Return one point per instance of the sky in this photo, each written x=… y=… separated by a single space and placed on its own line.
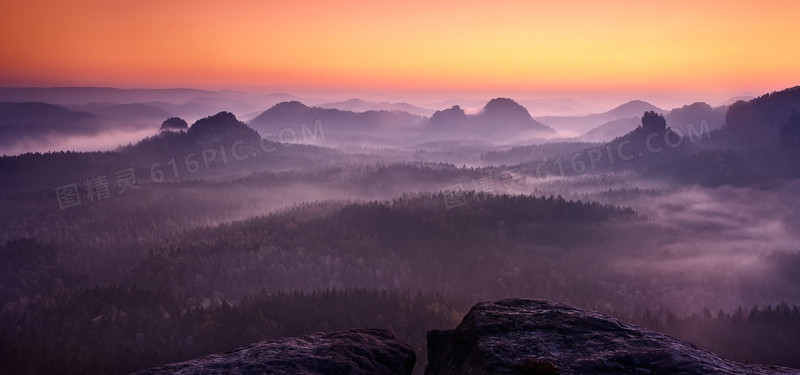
x=487 y=47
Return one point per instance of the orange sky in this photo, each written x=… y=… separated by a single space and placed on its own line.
x=515 y=46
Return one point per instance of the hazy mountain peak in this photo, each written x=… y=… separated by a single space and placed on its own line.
x=453 y=116
x=634 y=107
x=24 y=113
x=221 y=117
x=36 y=121
x=283 y=113
x=292 y=105
x=355 y=101
x=506 y=105
x=359 y=105
x=512 y=114
x=698 y=105
x=221 y=126
x=454 y=109
x=736 y=99
x=174 y=123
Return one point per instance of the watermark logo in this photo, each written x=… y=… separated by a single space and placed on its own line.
x=95 y=189
x=654 y=143
x=504 y=182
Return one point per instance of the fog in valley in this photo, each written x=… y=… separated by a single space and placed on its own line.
x=143 y=227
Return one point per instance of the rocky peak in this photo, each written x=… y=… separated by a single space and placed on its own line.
x=451 y=117
x=633 y=108
x=220 y=127
x=506 y=108
x=520 y=336
x=510 y=115
x=653 y=122
x=174 y=124
x=287 y=108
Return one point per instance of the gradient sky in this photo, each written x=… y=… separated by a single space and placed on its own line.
x=456 y=46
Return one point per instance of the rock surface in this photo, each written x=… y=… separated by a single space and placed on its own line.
x=518 y=336
x=360 y=351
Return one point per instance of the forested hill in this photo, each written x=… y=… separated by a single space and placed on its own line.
x=409 y=243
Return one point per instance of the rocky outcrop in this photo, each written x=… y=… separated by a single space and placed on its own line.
x=653 y=123
x=511 y=336
x=360 y=351
x=518 y=336
x=500 y=119
x=222 y=127
x=449 y=119
x=174 y=124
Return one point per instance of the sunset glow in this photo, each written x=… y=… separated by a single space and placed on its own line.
x=406 y=46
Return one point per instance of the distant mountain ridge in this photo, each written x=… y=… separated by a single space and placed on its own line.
x=293 y=113
x=501 y=118
x=582 y=124
x=30 y=113
x=610 y=130
x=378 y=124
x=632 y=106
x=184 y=102
x=758 y=147
x=358 y=105
x=126 y=116
x=689 y=118
x=38 y=121
x=339 y=126
x=759 y=121
x=72 y=95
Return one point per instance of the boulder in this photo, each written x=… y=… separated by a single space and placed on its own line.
x=358 y=351
x=521 y=336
